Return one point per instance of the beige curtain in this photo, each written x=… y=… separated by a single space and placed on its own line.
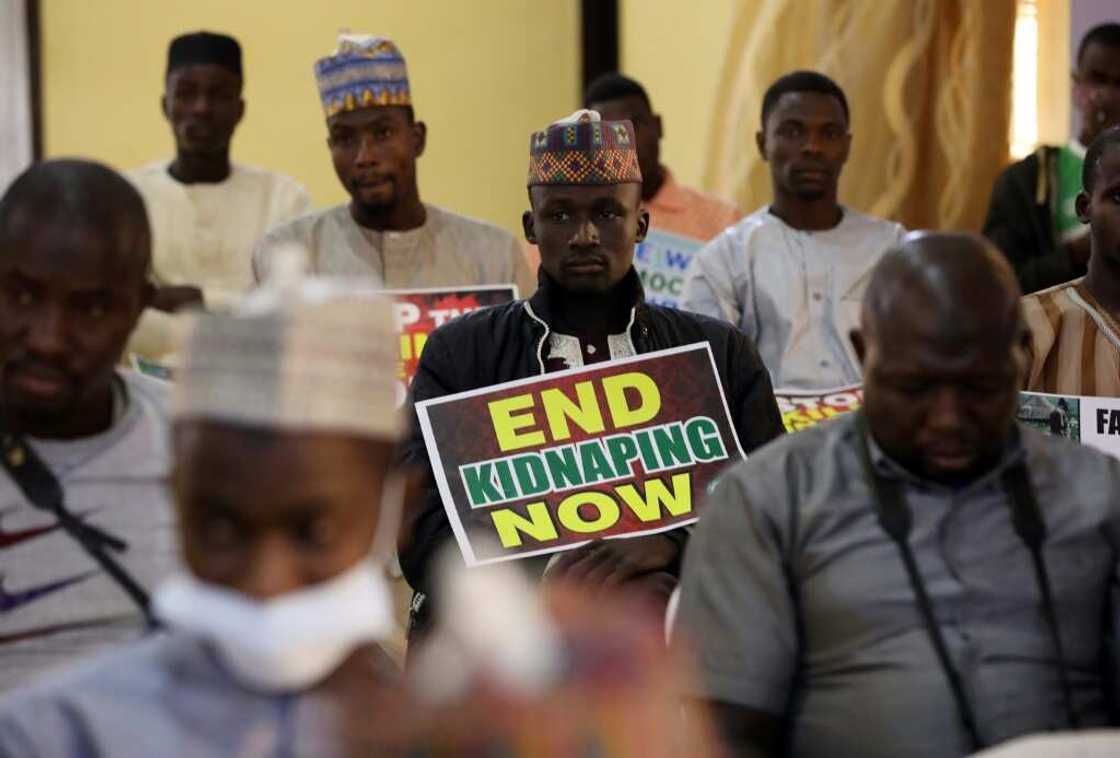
x=928 y=82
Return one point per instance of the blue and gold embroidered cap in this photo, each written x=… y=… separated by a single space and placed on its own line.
x=364 y=72
x=584 y=149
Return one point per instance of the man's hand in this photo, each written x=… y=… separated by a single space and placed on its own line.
x=172 y=299
x=1079 y=250
x=608 y=563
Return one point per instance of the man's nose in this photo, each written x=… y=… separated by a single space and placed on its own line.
x=367 y=151
x=272 y=570
x=946 y=412
x=587 y=235
x=47 y=333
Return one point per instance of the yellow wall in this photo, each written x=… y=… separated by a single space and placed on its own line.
x=484 y=74
x=676 y=51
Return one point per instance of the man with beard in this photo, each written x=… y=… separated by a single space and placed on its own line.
x=585 y=217
x=85 y=525
x=924 y=577
x=1032 y=216
x=791 y=275
x=385 y=232
x=207 y=213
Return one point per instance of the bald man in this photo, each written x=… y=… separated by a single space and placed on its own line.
x=84 y=517
x=814 y=635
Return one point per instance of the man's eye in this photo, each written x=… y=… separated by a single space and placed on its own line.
x=609 y=214
x=96 y=310
x=315 y=533
x=342 y=140
x=220 y=531
x=383 y=134
x=558 y=215
x=24 y=298
x=790 y=130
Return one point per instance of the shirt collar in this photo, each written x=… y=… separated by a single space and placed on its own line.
x=546 y=299
x=884 y=465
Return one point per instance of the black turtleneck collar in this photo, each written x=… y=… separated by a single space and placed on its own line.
x=549 y=301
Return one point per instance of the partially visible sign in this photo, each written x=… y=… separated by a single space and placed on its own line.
x=662 y=262
x=616 y=449
x=804 y=408
x=1092 y=421
x=421 y=311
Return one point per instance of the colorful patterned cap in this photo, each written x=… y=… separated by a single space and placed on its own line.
x=584 y=149
x=320 y=355
x=364 y=72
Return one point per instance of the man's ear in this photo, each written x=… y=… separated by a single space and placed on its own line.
x=1082 y=206
x=149 y=295
x=420 y=137
x=760 y=141
x=856 y=336
x=163 y=106
x=643 y=224
x=658 y=125
x=240 y=111
x=847 y=147
x=529 y=227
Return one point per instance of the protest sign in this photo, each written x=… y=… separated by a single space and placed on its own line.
x=804 y=408
x=661 y=261
x=1093 y=421
x=421 y=311
x=614 y=449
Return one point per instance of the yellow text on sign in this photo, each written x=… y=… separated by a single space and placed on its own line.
x=534 y=419
x=593 y=512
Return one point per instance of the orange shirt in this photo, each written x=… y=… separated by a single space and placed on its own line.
x=679 y=210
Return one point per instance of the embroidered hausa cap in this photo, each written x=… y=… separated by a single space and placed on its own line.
x=363 y=72
x=584 y=149
x=306 y=354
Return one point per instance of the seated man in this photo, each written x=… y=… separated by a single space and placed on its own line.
x=85 y=525
x=1031 y=215
x=385 y=232
x=921 y=578
x=1075 y=327
x=284 y=428
x=207 y=214
x=586 y=215
x=791 y=274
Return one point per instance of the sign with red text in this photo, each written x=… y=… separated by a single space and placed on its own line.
x=545 y=464
x=419 y=312
x=804 y=408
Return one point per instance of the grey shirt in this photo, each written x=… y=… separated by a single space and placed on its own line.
x=55 y=602
x=448 y=250
x=795 y=525
x=167 y=696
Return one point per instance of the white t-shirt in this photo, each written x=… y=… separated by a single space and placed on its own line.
x=796 y=294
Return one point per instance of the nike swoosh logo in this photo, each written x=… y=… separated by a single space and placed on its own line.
x=9 y=601
x=8 y=539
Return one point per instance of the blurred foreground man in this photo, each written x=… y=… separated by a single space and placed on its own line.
x=791 y=274
x=283 y=436
x=385 y=232
x=85 y=522
x=1032 y=216
x=1075 y=327
x=207 y=213
x=924 y=577
x=586 y=215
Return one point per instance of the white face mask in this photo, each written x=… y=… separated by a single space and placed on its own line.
x=295 y=640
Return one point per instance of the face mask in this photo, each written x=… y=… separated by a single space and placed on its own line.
x=295 y=640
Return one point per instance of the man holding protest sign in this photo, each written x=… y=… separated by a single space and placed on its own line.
x=923 y=577
x=1075 y=327
x=586 y=215
x=386 y=232
x=791 y=274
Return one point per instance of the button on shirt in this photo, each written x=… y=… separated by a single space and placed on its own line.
x=797 y=294
x=862 y=678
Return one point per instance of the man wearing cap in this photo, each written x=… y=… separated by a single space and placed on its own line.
x=585 y=217
x=85 y=523
x=385 y=232
x=284 y=426
x=207 y=213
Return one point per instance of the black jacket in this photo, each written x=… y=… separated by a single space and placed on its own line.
x=1021 y=222
x=507 y=342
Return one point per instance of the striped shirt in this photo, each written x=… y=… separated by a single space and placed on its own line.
x=1075 y=343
